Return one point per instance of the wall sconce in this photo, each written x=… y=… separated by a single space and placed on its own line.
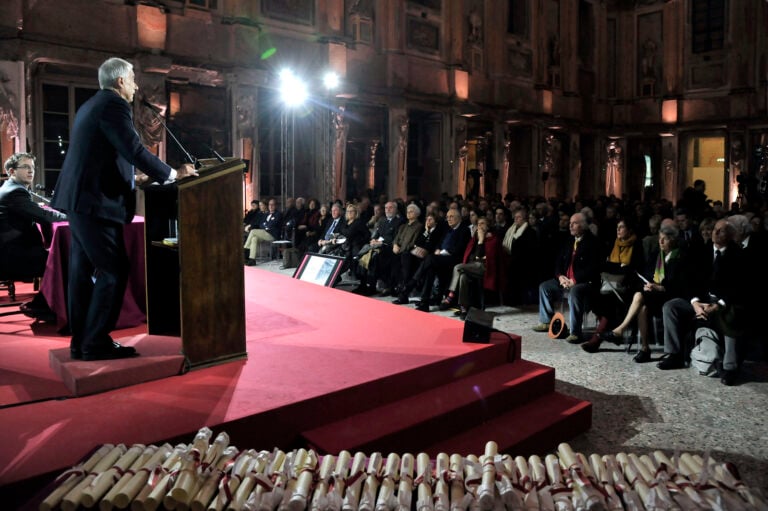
x=461 y=84
x=669 y=111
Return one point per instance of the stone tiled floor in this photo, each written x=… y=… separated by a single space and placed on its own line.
x=639 y=408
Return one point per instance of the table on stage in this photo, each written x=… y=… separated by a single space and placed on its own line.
x=54 y=284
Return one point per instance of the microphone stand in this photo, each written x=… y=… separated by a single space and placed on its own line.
x=194 y=161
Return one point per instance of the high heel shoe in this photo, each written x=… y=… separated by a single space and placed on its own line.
x=609 y=336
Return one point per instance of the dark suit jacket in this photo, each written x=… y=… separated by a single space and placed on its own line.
x=19 y=216
x=455 y=241
x=586 y=262
x=98 y=173
x=387 y=229
x=273 y=224
x=724 y=282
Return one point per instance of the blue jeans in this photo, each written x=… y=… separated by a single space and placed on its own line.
x=550 y=292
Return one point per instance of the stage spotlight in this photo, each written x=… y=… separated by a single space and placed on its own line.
x=330 y=80
x=293 y=91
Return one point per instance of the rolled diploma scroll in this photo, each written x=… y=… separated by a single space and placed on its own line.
x=103 y=482
x=593 y=499
x=73 y=499
x=473 y=476
x=280 y=463
x=212 y=476
x=371 y=484
x=405 y=488
x=701 y=478
x=613 y=501
x=531 y=499
x=632 y=501
x=353 y=483
x=424 y=499
x=459 y=500
x=636 y=481
x=256 y=475
x=160 y=481
x=233 y=476
x=662 y=477
x=548 y=478
x=729 y=493
x=662 y=494
x=108 y=501
x=386 y=499
x=338 y=481
x=320 y=495
x=305 y=477
x=71 y=477
x=187 y=482
x=442 y=493
x=678 y=479
x=214 y=451
x=727 y=474
x=514 y=498
x=486 y=492
x=292 y=477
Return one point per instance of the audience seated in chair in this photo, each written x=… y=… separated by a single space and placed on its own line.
x=375 y=262
x=317 y=223
x=348 y=239
x=439 y=264
x=332 y=230
x=481 y=263
x=404 y=241
x=412 y=263
x=718 y=302
x=268 y=231
x=520 y=245
x=22 y=248
x=577 y=274
x=619 y=279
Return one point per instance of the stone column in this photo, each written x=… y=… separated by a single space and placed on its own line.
x=370 y=180
x=614 y=168
x=397 y=172
x=337 y=182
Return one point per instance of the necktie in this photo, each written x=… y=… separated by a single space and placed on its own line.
x=329 y=232
x=716 y=262
x=569 y=273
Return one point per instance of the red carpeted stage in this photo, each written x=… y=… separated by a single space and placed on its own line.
x=326 y=369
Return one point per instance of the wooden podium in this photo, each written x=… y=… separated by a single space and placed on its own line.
x=196 y=287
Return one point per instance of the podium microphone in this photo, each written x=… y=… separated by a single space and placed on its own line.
x=155 y=111
x=215 y=153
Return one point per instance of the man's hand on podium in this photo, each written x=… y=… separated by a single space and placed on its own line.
x=186 y=170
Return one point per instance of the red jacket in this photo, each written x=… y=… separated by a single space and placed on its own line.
x=493 y=261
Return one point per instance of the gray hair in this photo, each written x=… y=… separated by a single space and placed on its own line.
x=741 y=224
x=111 y=70
x=670 y=231
x=415 y=208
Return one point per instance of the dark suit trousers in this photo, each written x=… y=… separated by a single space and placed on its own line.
x=679 y=319
x=98 y=275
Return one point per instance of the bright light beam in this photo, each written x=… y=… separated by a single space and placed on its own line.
x=293 y=91
x=331 y=80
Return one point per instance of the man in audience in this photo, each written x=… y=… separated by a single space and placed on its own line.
x=268 y=231
x=21 y=243
x=333 y=230
x=404 y=241
x=577 y=273
x=447 y=255
x=717 y=303
x=381 y=252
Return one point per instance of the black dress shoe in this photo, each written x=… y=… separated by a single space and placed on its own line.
x=401 y=300
x=110 y=354
x=422 y=307
x=671 y=361
x=642 y=356
x=250 y=262
x=728 y=377
x=609 y=336
x=75 y=354
x=446 y=304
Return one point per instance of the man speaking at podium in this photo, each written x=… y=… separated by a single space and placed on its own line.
x=96 y=190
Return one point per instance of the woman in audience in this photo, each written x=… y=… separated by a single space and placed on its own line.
x=353 y=234
x=665 y=277
x=624 y=261
x=482 y=262
x=316 y=226
x=705 y=228
x=521 y=246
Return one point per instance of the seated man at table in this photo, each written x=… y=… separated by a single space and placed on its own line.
x=21 y=242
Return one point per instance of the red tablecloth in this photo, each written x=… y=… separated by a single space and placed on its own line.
x=54 y=284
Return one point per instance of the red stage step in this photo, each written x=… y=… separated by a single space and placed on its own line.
x=536 y=427
x=440 y=412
